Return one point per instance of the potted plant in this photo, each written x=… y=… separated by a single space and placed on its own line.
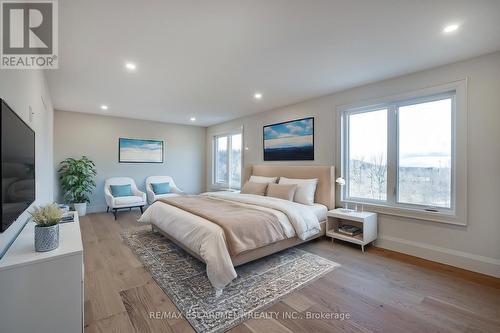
x=47 y=220
x=77 y=182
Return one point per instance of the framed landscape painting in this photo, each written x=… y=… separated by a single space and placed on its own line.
x=140 y=151
x=289 y=141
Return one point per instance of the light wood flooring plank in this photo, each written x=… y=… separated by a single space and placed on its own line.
x=104 y=298
x=118 y=323
x=139 y=303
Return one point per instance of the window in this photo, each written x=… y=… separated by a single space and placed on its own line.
x=424 y=153
x=221 y=159
x=368 y=155
x=404 y=155
x=227 y=161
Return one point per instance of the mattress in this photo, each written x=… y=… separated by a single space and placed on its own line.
x=319 y=210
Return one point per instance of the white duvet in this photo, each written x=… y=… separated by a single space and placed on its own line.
x=206 y=239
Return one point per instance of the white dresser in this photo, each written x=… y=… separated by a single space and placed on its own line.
x=43 y=291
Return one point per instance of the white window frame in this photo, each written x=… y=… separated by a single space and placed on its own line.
x=457 y=213
x=225 y=185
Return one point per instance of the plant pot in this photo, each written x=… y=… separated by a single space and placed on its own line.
x=81 y=208
x=46 y=238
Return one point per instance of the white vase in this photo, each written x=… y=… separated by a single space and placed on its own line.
x=81 y=208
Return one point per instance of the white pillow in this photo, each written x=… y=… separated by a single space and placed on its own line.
x=306 y=188
x=263 y=180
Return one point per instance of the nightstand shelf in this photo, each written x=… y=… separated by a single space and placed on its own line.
x=365 y=220
x=358 y=239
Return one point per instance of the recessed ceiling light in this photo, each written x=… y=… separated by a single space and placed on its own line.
x=104 y=107
x=130 y=66
x=192 y=119
x=451 y=28
x=257 y=96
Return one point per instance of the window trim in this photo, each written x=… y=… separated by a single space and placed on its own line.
x=458 y=212
x=225 y=185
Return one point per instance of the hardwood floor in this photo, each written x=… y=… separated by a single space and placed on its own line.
x=382 y=291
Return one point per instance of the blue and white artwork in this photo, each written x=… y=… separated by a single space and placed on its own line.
x=289 y=141
x=140 y=151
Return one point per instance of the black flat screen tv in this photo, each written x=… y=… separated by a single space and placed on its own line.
x=18 y=166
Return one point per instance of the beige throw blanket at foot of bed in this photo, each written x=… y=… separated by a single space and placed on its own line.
x=245 y=228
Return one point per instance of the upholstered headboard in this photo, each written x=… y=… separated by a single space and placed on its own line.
x=325 y=192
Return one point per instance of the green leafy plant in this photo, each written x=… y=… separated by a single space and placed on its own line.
x=47 y=215
x=77 y=179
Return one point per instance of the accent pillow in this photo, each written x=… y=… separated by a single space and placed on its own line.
x=121 y=190
x=262 y=180
x=281 y=191
x=254 y=188
x=161 y=188
x=306 y=188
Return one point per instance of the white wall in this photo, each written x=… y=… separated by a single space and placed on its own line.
x=475 y=246
x=22 y=89
x=96 y=136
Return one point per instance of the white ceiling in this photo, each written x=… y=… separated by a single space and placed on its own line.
x=207 y=58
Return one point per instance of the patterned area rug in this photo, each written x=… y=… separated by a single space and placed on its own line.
x=259 y=284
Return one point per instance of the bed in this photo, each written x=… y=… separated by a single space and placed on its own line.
x=207 y=241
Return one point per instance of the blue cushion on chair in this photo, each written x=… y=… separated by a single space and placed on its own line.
x=161 y=188
x=121 y=190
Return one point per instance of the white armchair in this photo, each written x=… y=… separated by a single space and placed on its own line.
x=161 y=179
x=115 y=203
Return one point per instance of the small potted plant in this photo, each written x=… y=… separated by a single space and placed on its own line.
x=47 y=220
x=77 y=182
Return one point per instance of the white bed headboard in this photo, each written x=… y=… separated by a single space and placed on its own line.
x=325 y=191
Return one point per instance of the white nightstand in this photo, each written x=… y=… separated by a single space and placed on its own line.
x=365 y=220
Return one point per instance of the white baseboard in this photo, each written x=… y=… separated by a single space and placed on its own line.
x=469 y=261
